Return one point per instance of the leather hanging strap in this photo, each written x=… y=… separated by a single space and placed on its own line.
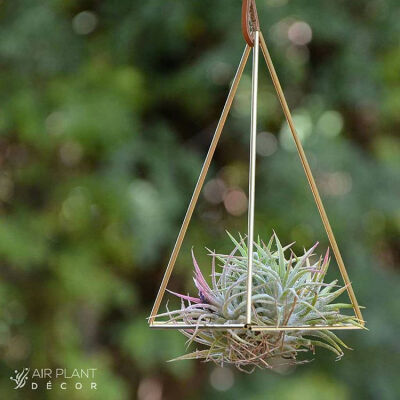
x=250 y=22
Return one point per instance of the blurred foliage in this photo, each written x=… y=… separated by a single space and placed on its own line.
x=107 y=109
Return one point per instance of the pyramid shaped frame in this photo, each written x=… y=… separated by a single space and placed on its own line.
x=257 y=42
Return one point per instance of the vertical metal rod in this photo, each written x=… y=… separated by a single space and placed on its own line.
x=252 y=175
x=199 y=184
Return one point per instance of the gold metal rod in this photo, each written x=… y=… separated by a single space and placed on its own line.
x=310 y=179
x=199 y=184
x=303 y=328
x=252 y=176
x=167 y=325
x=160 y=325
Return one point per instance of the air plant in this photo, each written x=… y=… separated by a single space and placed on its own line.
x=288 y=290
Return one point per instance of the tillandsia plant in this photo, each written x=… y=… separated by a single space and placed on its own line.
x=288 y=290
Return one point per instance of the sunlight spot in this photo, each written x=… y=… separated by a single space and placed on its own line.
x=235 y=202
x=222 y=379
x=300 y=33
x=84 y=23
x=267 y=144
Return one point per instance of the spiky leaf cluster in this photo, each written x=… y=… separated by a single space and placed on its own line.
x=288 y=290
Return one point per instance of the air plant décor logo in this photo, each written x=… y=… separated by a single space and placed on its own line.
x=61 y=378
x=20 y=378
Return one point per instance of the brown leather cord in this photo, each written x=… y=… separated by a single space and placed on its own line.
x=249 y=20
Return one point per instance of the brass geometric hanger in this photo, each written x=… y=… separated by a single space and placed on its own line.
x=255 y=40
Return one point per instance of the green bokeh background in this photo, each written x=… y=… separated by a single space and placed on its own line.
x=107 y=109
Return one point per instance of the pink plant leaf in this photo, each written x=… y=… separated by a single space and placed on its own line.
x=199 y=275
x=205 y=291
x=326 y=258
x=185 y=297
